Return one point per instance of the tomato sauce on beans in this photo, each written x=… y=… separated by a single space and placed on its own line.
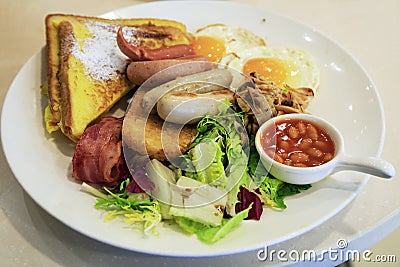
x=298 y=142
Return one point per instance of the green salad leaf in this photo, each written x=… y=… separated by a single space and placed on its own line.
x=133 y=208
x=274 y=191
x=220 y=160
x=219 y=136
x=207 y=157
x=211 y=234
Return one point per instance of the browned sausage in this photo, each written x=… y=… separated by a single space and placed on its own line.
x=139 y=71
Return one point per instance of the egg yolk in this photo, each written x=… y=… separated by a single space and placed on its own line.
x=210 y=47
x=273 y=69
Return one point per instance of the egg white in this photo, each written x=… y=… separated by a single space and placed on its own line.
x=236 y=39
x=306 y=67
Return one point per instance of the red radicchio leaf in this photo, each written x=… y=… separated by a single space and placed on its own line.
x=140 y=182
x=245 y=198
x=133 y=187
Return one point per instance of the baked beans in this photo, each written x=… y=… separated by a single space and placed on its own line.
x=298 y=142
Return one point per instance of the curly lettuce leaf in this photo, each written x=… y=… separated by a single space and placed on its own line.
x=274 y=191
x=134 y=208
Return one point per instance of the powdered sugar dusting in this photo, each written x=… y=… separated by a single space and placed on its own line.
x=130 y=35
x=100 y=54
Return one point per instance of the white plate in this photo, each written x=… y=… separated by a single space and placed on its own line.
x=347 y=97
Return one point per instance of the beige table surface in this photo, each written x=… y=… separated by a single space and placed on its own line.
x=370 y=30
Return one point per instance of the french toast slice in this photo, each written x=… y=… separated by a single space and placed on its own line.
x=86 y=71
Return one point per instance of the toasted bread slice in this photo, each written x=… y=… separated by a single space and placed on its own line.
x=86 y=69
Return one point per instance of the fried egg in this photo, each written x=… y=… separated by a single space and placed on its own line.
x=217 y=41
x=281 y=65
